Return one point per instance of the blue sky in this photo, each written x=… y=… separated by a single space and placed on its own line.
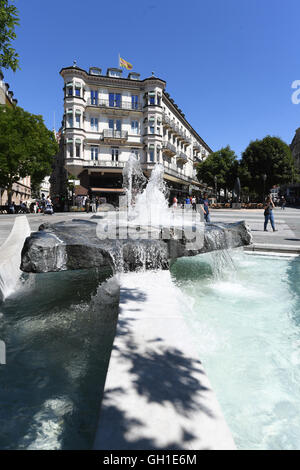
x=229 y=64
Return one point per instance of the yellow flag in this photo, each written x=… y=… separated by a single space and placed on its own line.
x=124 y=63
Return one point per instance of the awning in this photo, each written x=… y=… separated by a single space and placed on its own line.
x=108 y=190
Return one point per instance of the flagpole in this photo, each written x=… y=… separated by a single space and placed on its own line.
x=119 y=61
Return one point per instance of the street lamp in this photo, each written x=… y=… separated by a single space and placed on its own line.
x=264 y=180
x=216 y=181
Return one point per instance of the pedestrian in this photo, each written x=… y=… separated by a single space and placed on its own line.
x=205 y=208
x=194 y=203
x=93 y=204
x=268 y=213
x=283 y=203
x=187 y=202
x=87 y=204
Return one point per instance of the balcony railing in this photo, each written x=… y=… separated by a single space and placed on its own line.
x=169 y=148
x=182 y=157
x=175 y=128
x=197 y=147
x=100 y=103
x=113 y=134
x=104 y=163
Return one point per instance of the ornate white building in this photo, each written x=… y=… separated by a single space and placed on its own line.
x=107 y=117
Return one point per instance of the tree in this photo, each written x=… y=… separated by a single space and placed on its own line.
x=222 y=164
x=271 y=157
x=9 y=59
x=27 y=147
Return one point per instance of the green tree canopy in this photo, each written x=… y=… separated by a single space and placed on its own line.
x=223 y=164
x=27 y=147
x=271 y=157
x=9 y=59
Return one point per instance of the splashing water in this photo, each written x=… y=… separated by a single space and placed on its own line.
x=147 y=202
x=133 y=182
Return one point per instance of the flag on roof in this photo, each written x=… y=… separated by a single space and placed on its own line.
x=124 y=63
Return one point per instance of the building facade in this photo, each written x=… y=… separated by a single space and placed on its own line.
x=21 y=189
x=108 y=117
x=295 y=148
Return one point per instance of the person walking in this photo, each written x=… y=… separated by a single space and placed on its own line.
x=205 y=208
x=94 y=204
x=194 y=203
x=268 y=213
x=175 y=202
x=283 y=203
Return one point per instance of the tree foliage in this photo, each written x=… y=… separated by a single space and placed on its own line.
x=27 y=147
x=223 y=164
x=271 y=157
x=9 y=59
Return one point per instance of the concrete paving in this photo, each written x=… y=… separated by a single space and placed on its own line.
x=157 y=395
x=287 y=224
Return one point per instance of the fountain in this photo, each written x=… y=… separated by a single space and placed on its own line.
x=148 y=235
x=62 y=331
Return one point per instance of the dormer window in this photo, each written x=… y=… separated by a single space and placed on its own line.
x=114 y=73
x=134 y=76
x=95 y=71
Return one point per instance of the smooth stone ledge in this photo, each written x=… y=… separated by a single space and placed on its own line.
x=270 y=247
x=10 y=256
x=157 y=395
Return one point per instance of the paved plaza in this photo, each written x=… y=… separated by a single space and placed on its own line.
x=287 y=223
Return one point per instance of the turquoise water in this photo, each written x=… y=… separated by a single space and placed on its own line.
x=58 y=333
x=244 y=315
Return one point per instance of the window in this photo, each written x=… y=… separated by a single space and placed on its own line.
x=94 y=124
x=70 y=146
x=77 y=120
x=136 y=153
x=70 y=91
x=135 y=127
x=77 y=146
x=151 y=153
x=158 y=100
x=152 y=100
x=115 y=100
x=77 y=91
x=70 y=120
x=134 y=101
x=115 y=154
x=115 y=125
x=94 y=97
x=151 y=129
x=94 y=153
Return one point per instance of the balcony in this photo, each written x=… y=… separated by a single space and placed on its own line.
x=114 y=105
x=196 y=147
x=111 y=136
x=103 y=164
x=169 y=149
x=197 y=160
x=166 y=120
x=181 y=157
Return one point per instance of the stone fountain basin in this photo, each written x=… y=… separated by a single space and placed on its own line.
x=81 y=244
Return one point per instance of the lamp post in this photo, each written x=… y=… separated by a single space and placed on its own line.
x=216 y=181
x=264 y=180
